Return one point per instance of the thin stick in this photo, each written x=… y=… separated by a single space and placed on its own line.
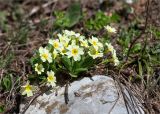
x=66 y=94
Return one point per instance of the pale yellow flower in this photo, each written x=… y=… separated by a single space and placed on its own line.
x=115 y=58
x=64 y=40
x=39 y=68
x=110 y=29
x=84 y=43
x=62 y=50
x=69 y=33
x=75 y=52
x=61 y=37
x=55 y=43
x=95 y=53
x=81 y=38
x=109 y=47
x=77 y=35
x=95 y=42
x=51 y=79
x=27 y=90
x=45 y=55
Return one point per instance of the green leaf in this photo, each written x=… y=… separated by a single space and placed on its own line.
x=1 y=109
x=80 y=70
x=53 y=67
x=67 y=63
x=136 y=47
x=73 y=75
x=3 y=20
x=148 y=68
x=7 y=82
x=5 y=61
x=71 y=17
x=21 y=35
x=32 y=77
x=75 y=65
x=115 y=17
x=156 y=32
x=77 y=71
x=87 y=62
x=74 y=14
x=100 y=20
x=127 y=41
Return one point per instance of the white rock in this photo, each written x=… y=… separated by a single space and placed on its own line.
x=126 y=1
x=95 y=97
x=129 y=1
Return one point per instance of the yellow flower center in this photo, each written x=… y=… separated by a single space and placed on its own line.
x=28 y=88
x=66 y=44
x=56 y=45
x=51 y=78
x=94 y=43
x=74 y=51
x=96 y=53
x=45 y=55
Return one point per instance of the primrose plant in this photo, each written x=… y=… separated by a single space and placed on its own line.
x=70 y=53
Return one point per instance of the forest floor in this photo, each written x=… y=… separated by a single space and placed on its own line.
x=27 y=25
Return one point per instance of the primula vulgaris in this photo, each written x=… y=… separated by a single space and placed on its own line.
x=95 y=53
x=69 y=33
x=27 y=90
x=64 y=40
x=55 y=43
x=45 y=55
x=115 y=58
x=51 y=79
x=109 y=47
x=95 y=42
x=83 y=42
x=110 y=29
x=113 y=52
x=39 y=68
x=75 y=52
x=64 y=52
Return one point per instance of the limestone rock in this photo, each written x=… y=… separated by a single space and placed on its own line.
x=86 y=96
x=129 y=1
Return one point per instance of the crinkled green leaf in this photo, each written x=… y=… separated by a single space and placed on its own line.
x=87 y=62
x=1 y=109
x=67 y=63
x=136 y=47
x=73 y=75
x=7 y=82
x=71 y=17
x=74 y=14
x=80 y=70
